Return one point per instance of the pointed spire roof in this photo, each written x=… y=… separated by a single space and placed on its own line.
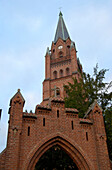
x=61 y=31
x=91 y=107
x=18 y=92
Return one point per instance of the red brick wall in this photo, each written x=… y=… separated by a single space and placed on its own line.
x=2 y=159
x=85 y=143
x=53 y=62
x=83 y=139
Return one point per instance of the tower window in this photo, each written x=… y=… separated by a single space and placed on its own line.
x=68 y=50
x=72 y=124
x=60 y=47
x=55 y=74
x=53 y=50
x=57 y=113
x=28 y=130
x=57 y=92
x=60 y=54
x=67 y=71
x=61 y=73
x=43 y=121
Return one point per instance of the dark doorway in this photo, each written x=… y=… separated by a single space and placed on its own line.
x=55 y=159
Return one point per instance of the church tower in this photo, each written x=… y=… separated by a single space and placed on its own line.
x=61 y=63
x=31 y=135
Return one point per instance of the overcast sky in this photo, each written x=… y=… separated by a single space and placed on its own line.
x=27 y=28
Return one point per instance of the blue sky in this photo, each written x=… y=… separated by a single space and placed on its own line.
x=28 y=27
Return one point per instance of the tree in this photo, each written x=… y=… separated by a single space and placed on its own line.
x=108 y=126
x=76 y=96
x=82 y=93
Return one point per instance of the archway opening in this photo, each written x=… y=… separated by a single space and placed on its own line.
x=57 y=92
x=67 y=71
x=55 y=74
x=55 y=158
x=61 y=73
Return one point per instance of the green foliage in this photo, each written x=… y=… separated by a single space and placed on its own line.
x=81 y=94
x=108 y=126
x=76 y=96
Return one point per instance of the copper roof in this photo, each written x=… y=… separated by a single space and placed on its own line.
x=61 y=31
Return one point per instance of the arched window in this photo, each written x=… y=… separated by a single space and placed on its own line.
x=60 y=54
x=43 y=121
x=68 y=50
x=55 y=74
x=72 y=124
x=65 y=92
x=28 y=130
x=87 y=136
x=67 y=71
x=61 y=73
x=57 y=92
x=57 y=113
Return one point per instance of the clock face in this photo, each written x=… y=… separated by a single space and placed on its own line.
x=60 y=47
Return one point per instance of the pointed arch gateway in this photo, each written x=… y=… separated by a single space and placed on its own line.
x=75 y=153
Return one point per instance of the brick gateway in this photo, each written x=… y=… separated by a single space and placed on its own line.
x=30 y=135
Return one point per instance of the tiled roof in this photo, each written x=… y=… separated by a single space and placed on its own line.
x=73 y=110
x=61 y=31
x=18 y=92
x=30 y=115
x=57 y=99
x=43 y=107
x=85 y=121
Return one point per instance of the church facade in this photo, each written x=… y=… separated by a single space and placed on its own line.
x=30 y=135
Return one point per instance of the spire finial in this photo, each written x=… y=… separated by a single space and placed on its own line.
x=18 y=90
x=60 y=14
x=61 y=31
x=47 y=51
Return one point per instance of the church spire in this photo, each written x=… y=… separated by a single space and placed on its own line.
x=61 y=31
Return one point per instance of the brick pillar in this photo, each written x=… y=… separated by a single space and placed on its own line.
x=100 y=136
x=14 y=131
x=47 y=64
x=74 y=66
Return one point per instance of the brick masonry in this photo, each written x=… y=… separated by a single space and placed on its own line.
x=31 y=134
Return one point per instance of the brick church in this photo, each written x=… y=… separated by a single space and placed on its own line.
x=30 y=135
